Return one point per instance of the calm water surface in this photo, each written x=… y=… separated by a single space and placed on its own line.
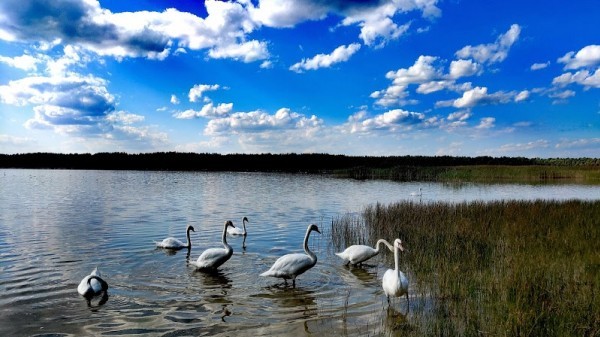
x=57 y=225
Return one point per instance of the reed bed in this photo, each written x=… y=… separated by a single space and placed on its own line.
x=505 y=268
x=530 y=174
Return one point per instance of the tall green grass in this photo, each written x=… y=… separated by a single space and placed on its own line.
x=506 y=268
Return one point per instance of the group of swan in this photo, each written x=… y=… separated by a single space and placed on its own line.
x=287 y=267
x=394 y=281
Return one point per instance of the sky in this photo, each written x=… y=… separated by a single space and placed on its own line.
x=357 y=77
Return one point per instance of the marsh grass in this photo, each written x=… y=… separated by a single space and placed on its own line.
x=505 y=268
x=531 y=174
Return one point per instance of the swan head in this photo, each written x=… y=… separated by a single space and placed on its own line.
x=245 y=219
x=228 y=223
x=191 y=228
x=398 y=244
x=314 y=227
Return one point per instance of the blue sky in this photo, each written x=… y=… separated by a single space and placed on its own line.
x=401 y=77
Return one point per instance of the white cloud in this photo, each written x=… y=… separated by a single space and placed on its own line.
x=581 y=77
x=374 y=17
x=207 y=111
x=135 y=34
x=462 y=68
x=23 y=62
x=486 y=123
x=522 y=96
x=287 y=13
x=471 y=98
x=340 y=54
x=246 y=52
x=124 y=118
x=460 y=115
x=267 y=64
x=519 y=147
x=538 y=66
x=479 y=96
x=198 y=90
x=260 y=122
x=378 y=32
x=492 y=52
x=578 y=143
x=392 y=121
x=174 y=100
x=563 y=94
x=588 y=56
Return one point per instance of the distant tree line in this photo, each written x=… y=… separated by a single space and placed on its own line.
x=291 y=162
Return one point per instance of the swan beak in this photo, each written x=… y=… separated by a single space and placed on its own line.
x=317 y=230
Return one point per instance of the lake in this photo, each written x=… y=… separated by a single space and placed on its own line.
x=58 y=225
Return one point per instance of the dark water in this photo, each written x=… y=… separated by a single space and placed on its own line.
x=57 y=225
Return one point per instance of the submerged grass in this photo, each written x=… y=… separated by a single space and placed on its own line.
x=506 y=268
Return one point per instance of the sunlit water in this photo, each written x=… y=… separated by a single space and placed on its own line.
x=57 y=225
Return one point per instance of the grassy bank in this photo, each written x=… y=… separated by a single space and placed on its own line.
x=531 y=174
x=512 y=268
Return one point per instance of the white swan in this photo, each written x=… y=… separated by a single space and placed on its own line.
x=238 y=231
x=173 y=243
x=212 y=258
x=394 y=282
x=92 y=285
x=356 y=254
x=290 y=266
x=417 y=194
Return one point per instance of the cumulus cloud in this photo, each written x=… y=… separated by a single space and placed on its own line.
x=23 y=62
x=78 y=106
x=478 y=96
x=260 y=121
x=392 y=120
x=374 y=17
x=132 y=34
x=492 y=52
x=247 y=52
x=429 y=76
x=287 y=13
x=340 y=54
x=587 y=56
x=198 y=90
x=174 y=100
x=581 y=77
x=208 y=111
x=462 y=68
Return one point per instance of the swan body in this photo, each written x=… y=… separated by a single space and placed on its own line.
x=356 y=254
x=92 y=285
x=394 y=281
x=290 y=266
x=173 y=243
x=212 y=258
x=237 y=230
x=417 y=194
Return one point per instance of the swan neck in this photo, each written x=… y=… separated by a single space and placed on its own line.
x=379 y=242
x=396 y=258
x=312 y=255
x=224 y=239
x=244 y=224
x=189 y=242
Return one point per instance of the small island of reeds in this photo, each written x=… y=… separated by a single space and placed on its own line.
x=504 y=268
